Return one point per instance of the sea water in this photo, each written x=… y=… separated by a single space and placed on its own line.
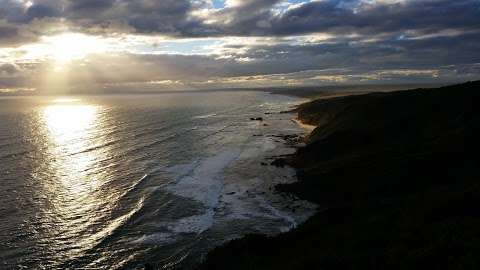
x=115 y=182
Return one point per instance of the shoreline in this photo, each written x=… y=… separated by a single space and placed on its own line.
x=307 y=127
x=368 y=222
x=279 y=162
x=295 y=141
x=276 y=136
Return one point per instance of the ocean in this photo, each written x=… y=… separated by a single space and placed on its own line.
x=115 y=182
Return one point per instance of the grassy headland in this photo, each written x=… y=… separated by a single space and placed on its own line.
x=399 y=175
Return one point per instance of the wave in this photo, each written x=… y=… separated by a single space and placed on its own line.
x=93 y=148
x=205 y=116
x=245 y=204
x=15 y=154
x=162 y=238
x=200 y=181
x=95 y=240
x=203 y=183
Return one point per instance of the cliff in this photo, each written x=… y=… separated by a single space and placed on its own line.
x=398 y=176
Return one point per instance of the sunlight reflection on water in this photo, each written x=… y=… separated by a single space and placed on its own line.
x=68 y=122
x=71 y=126
x=100 y=182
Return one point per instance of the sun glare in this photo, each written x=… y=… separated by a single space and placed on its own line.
x=69 y=122
x=66 y=47
x=65 y=100
x=71 y=46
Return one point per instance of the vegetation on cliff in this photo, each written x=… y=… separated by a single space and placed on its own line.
x=398 y=174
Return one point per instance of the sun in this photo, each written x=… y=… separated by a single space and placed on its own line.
x=72 y=46
x=65 y=47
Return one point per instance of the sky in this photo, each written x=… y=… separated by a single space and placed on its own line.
x=149 y=45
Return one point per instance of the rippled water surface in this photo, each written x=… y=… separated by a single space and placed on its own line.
x=118 y=181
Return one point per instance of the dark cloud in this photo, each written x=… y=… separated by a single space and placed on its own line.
x=349 y=16
x=362 y=38
x=255 y=17
x=11 y=10
x=8 y=69
x=167 y=16
x=425 y=15
x=39 y=11
x=8 y=32
x=388 y=53
x=13 y=35
x=90 y=5
x=309 y=65
x=14 y=11
x=248 y=18
x=11 y=76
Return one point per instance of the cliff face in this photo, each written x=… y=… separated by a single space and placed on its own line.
x=399 y=174
x=375 y=145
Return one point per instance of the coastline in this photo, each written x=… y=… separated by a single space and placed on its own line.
x=307 y=127
x=249 y=190
x=368 y=222
x=296 y=141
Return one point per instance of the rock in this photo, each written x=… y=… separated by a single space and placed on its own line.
x=256 y=118
x=279 y=163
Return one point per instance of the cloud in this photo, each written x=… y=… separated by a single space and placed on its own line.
x=252 y=17
x=8 y=69
x=200 y=43
x=332 y=16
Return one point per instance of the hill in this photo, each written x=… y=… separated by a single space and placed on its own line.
x=398 y=176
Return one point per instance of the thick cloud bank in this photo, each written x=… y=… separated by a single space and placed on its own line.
x=202 y=43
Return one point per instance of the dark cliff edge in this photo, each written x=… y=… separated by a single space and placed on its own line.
x=398 y=174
